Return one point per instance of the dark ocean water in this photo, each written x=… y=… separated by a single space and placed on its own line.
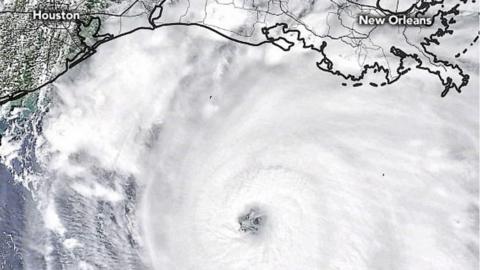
x=100 y=228
x=13 y=199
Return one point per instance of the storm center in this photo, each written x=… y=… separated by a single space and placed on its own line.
x=252 y=220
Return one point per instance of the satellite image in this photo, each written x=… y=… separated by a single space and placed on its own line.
x=239 y=134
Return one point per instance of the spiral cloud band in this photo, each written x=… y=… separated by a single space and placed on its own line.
x=188 y=152
x=275 y=173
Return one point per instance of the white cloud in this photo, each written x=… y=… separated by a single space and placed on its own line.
x=350 y=178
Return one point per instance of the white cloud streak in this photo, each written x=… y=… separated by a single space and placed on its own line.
x=348 y=178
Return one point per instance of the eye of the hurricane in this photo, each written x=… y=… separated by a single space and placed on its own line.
x=252 y=221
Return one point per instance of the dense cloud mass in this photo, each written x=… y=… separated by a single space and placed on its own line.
x=252 y=158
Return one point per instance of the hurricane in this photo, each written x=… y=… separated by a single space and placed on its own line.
x=201 y=154
x=287 y=171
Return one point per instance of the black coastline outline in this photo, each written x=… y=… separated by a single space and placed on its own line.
x=325 y=64
x=88 y=51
